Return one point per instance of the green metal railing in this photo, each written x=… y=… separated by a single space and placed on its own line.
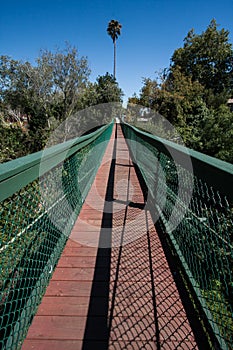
x=191 y=198
x=40 y=197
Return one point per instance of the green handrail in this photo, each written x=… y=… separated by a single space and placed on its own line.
x=41 y=196
x=214 y=171
x=19 y=172
x=190 y=195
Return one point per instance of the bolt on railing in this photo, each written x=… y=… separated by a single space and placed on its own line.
x=40 y=197
x=191 y=199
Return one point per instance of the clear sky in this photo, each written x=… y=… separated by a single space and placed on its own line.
x=151 y=31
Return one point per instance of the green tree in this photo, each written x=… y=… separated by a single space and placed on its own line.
x=14 y=141
x=104 y=90
x=69 y=77
x=107 y=89
x=193 y=92
x=105 y=96
x=50 y=89
x=26 y=93
x=88 y=97
x=114 y=30
x=208 y=59
x=217 y=133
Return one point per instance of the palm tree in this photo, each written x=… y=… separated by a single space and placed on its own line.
x=114 y=30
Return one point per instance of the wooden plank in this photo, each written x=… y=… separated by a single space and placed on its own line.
x=70 y=306
x=134 y=345
x=57 y=327
x=77 y=261
x=35 y=344
x=73 y=274
x=64 y=327
x=69 y=288
x=65 y=306
x=81 y=251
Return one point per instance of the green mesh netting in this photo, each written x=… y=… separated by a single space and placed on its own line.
x=34 y=233
x=203 y=239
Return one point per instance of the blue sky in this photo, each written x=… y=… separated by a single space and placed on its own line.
x=151 y=31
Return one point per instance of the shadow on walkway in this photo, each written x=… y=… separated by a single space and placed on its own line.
x=96 y=333
x=135 y=302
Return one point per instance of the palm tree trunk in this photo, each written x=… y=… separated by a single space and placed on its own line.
x=114 y=65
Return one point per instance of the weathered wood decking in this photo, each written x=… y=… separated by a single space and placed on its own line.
x=122 y=294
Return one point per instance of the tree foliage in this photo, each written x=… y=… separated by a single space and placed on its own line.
x=35 y=99
x=13 y=142
x=192 y=94
x=114 y=29
x=104 y=90
x=208 y=59
x=107 y=89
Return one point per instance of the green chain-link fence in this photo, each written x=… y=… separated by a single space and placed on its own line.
x=194 y=204
x=40 y=198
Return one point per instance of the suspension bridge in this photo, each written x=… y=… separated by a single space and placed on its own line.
x=116 y=240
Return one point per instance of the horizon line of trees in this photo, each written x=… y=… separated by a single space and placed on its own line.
x=191 y=94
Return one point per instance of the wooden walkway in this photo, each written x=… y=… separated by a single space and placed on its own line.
x=113 y=287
